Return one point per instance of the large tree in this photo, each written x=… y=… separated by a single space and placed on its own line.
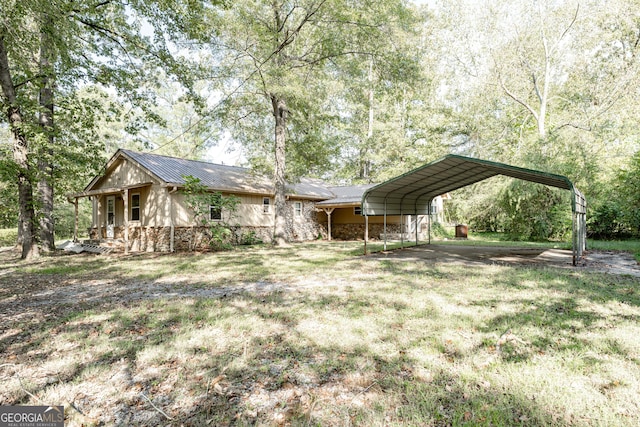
x=546 y=85
x=280 y=68
x=48 y=50
x=533 y=76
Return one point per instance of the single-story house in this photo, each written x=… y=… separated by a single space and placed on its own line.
x=138 y=204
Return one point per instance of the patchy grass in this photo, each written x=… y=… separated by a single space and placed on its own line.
x=323 y=338
x=632 y=246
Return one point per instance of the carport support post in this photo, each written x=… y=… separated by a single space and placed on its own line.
x=401 y=229
x=578 y=238
x=366 y=232
x=385 y=225
x=429 y=223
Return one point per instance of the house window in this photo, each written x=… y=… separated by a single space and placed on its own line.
x=434 y=209
x=357 y=210
x=135 y=207
x=297 y=208
x=266 y=205
x=215 y=213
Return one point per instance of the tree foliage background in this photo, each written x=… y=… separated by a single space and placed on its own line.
x=370 y=89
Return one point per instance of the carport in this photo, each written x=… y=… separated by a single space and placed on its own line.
x=413 y=192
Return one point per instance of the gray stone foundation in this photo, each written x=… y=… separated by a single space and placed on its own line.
x=356 y=231
x=158 y=239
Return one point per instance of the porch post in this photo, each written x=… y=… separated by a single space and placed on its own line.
x=172 y=228
x=125 y=198
x=98 y=216
x=329 y=211
x=172 y=232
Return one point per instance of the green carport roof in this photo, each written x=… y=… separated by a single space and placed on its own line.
x=412 y=192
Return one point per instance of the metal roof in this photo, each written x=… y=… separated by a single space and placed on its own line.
x=346 y=195
x=310 y=188
x=412 y=192
x=171 y=171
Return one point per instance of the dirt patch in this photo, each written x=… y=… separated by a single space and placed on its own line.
x=612 y=262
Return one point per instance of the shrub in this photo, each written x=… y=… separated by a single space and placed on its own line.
x=605 y=221
x=8 y=236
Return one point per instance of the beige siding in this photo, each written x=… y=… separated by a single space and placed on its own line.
x=124 y=174
x=249 y=213
x=346 y=216
x=155 y=204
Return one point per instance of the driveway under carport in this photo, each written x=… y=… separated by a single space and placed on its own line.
x=612 y=262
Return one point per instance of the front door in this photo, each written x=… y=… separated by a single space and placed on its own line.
x=111 y=216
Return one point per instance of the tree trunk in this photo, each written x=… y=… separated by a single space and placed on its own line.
x=280 y=114
x=365 y=163
x=45 y=120
x=20 y=157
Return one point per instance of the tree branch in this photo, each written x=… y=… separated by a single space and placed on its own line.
x=573 y=125
x=36 y=77
x=566 y=30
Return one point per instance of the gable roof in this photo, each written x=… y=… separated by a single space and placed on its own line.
x=170 y=171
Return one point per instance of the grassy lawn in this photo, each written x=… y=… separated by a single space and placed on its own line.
x=314 y=335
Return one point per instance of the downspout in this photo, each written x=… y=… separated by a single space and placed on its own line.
x=172 y=232
x=125 y=200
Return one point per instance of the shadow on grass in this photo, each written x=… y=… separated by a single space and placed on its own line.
x=250 y=360
x=277 y=376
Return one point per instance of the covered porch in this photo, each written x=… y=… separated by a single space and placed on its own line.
x=117 y=212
